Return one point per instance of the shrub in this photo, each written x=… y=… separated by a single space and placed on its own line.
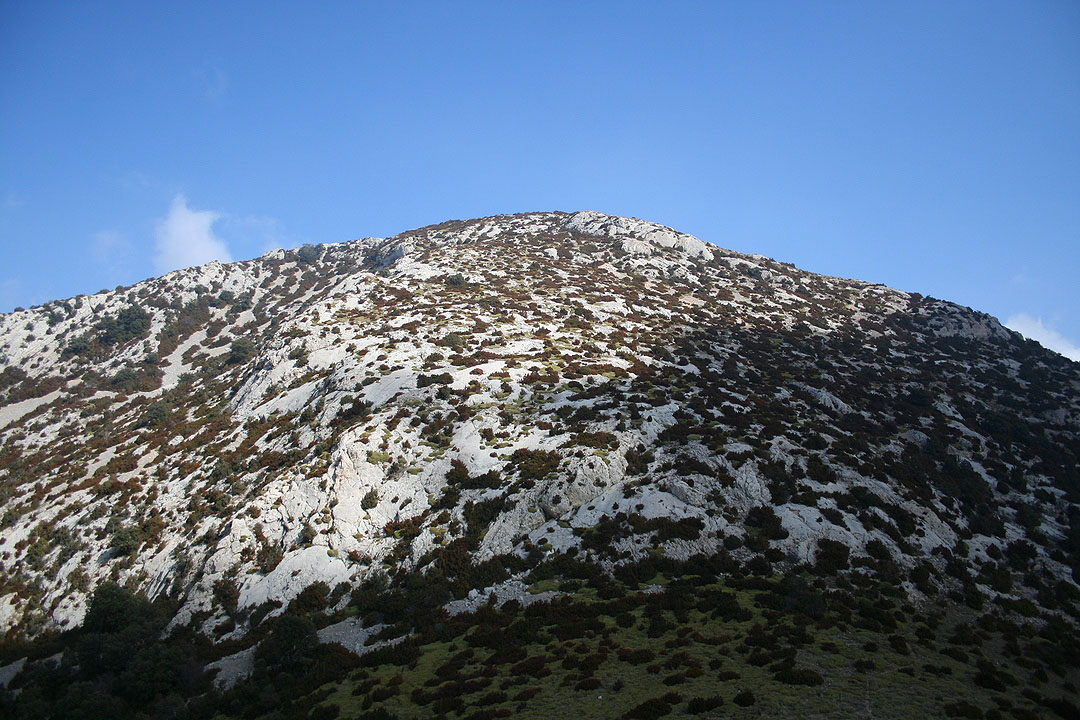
x=127 y=540
x=268 y=557
x=535 y=464
x=963 y=709
x=325 y=712
x=637 y=657
x=241 y=350
x=113 y=608
x=290 y=644
x=458 y=477
x=311 y=599
x=744 y=699
x=765 y=519
x=832 y=556
x=309 y=254
x=76 y=346
x=157 y=414
x=370 y=500
x=440 y=379
x=799 y=676
x=699 y=705
x=599 y=440
x=654 y=708
x=129 y=324
x=227 y=594
x=478 y=515
x=357 y=410
x=637 y=461
x=683 y=529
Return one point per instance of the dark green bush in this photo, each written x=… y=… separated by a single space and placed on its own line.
x=654 y=708
x=290 y=644
x=832 y=556
x=309 y=254
x=241 y=350
x=745 y=698
x=126 y=540
x=765 y=519
x=799 y=676
x=700 y=705
x=535 y=464
x=130 y=323
x=440 y=379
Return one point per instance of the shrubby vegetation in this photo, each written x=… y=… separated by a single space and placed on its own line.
x=241 y=350
x=716 y=635
x=309 y=254
x=131 y=323
x=116 y=666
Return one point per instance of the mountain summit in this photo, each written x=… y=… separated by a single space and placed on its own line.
x=460 y=404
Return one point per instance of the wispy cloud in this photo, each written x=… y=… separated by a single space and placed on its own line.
x=256 y=233
x=133 y=180
x=215 y=84
x=12 y=201
x=1034 y=329
x=112 y=252
x=185 y=237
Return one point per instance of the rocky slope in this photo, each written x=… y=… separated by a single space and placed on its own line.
x=481 y=394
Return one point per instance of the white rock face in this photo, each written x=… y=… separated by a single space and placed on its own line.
x=638 y=236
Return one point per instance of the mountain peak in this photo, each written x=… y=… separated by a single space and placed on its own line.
x=638 y=236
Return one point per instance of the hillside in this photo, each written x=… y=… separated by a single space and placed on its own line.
x=465 y=416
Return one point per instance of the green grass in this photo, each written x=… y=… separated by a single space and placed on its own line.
x=544 y=586
x=710 y=656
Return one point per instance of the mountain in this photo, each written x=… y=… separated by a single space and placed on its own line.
x=467 y=415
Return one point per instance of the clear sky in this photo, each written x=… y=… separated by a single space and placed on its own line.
x=933 y=147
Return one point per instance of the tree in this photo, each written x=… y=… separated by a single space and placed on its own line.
x=241 y=350
x=290 y=644
x=832 y=556
x=129 y=324
x=112 y=608
x=127 y=540
x=309 y=254
x=119 y=624
x=157 y=414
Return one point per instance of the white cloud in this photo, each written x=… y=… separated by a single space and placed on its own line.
x=185 y=237
x=1048 y=337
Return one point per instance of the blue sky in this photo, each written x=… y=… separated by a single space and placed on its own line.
x=933 y=147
